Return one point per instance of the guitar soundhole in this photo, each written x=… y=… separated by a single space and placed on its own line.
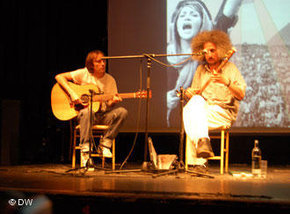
x=85 y=99
x=84 y=102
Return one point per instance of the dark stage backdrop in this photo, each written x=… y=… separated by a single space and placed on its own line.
x=259 y=30
x=38 y=40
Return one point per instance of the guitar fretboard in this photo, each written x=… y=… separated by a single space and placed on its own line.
x=105 y=97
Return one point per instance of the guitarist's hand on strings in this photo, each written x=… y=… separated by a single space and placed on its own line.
x=117 y=98
x=114 y=100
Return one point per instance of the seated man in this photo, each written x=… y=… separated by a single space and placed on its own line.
x=215 y=105
x=94 y=72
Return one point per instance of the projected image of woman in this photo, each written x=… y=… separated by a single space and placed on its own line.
x=189 y=18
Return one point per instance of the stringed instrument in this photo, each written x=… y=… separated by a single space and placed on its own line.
x=64 y=109
x=188 y=95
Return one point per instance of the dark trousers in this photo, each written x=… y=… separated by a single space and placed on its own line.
x=113 y=118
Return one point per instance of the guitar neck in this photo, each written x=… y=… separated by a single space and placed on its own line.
x=128 y=95
x=226 y=59
x=105 y=97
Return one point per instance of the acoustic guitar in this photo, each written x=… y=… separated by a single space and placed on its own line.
x=64 y=109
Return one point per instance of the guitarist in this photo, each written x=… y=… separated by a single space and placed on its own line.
x=215 y=105
x=94 y=72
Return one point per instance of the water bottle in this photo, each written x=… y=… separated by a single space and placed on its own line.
x=256 y=160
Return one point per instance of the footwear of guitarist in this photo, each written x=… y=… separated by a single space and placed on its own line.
x=104 y=151
x=84 y=158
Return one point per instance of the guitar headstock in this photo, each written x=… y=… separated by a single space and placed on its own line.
x=226 y=58
x=230 y=53
x=143 y=94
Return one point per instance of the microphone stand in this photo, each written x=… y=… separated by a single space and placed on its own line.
x=89 y=163
x=149 y=63
x=181 y=131
x=148 y=83
x=90 y=166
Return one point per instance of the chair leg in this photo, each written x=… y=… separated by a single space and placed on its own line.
x=74 y=151
x=222 y=152
x=113 y=155
x=103 y=162
x=187 y=141
x=227 y=151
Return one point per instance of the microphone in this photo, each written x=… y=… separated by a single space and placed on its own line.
x=200 y=53
x=204 y=51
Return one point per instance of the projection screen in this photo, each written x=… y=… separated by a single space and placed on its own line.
x=259 y=30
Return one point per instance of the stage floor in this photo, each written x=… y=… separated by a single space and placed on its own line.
x=181 y=189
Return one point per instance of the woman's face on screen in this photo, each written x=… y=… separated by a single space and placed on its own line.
x=188 y=23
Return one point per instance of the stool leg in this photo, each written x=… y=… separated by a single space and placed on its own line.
x=74 y=151
x=222 y=152
x=227 y=151
x=113 y=154
x=187 y=141
x=103 y=162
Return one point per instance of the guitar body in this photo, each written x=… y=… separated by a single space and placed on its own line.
x=61 y=105
x=63 y=109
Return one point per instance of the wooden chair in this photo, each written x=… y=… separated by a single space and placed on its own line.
x=224 y=137
x=98 y=131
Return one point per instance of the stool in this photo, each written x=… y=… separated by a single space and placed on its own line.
x=224 y=149
x=98 y=131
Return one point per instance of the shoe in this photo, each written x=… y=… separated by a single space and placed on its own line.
x=204 y=149
x=104 y=151
x=84 y=158
x=203 y=169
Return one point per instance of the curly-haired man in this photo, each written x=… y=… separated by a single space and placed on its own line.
x=215 y=94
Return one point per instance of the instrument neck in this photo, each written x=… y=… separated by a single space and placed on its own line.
x=127 y=95
x=105 y=97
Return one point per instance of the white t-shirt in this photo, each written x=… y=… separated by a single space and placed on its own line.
x=106 y=84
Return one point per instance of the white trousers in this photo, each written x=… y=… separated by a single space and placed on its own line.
x=200 y=117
